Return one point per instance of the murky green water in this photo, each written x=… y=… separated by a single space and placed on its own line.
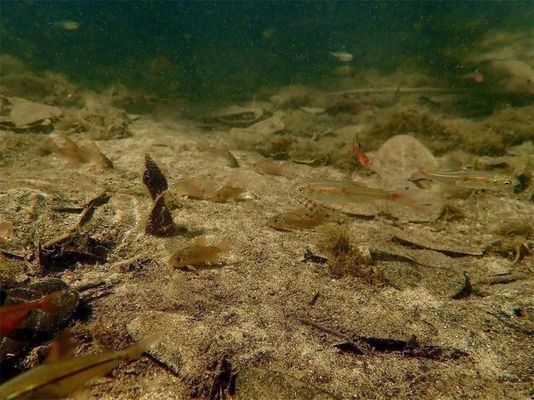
x=206 y=50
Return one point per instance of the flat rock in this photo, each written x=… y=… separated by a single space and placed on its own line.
x=263 y=128
x=400 y=156
x=25 y=112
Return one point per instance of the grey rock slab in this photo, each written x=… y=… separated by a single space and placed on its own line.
x=263 y=128
x=400 y=156
x=25 y=112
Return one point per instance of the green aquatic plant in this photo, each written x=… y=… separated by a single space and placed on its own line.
x=344 y=258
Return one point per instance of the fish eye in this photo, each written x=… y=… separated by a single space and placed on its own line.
x=300 y=189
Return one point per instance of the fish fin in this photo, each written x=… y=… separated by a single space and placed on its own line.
x=47 y=303
x=63 y=346
x=419 y=175
x=224 y=245
x=49 y=146
x=96 y=155
x=135 y=351
x=71 y=150
x=81 y=394
x=403 y=199
x=201 y=241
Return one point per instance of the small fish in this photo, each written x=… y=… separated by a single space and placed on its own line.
x=6 y=231
x=193 y=190
x=96 y=155
x=296 y=219
x=469 y=179
x=226 y=193
x=475 y=77
x=349 y=192
x=360 y=155
x=58 y=379
x=220 y=153
x=325 y=213
x=74 y=153
x=63 y=346
x=67 y=25
x=11 y=316
x=342 y=56
x=198 y=254
x=268 y=33
x=270 y=167
x=308 y=216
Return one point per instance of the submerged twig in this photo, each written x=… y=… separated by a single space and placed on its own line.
x=423 y=90
x=398 y=90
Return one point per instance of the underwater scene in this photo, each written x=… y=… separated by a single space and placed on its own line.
x=266 y=200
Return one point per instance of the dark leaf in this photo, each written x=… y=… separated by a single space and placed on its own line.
x=160 y=221
x=153 y=178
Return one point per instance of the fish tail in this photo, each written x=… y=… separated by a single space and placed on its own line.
x=403 y=199
x=47 y=303
x=50 y=146
x=224 y=245
x=136 y=350
x=419 y=175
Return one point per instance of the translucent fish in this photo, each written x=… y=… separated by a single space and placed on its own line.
x=198 y=254
x=349 y=192
x=342 y=56
x=11 y=316
x=296 y=219
x=67 y=25
x=469 y=179
x=475 y=77
x=58 y=379
x=226 y=193
x=192 y=189
x=270 y=167
x=268 y=33
x=74 y=153
x=6 y=231
x=308 y=216
x=220 y=153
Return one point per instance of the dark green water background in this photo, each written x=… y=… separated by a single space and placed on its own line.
x=216 y=49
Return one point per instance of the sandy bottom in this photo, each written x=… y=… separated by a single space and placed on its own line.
x=289 y=326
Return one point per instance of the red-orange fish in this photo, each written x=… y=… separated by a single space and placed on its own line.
x=474 y=77
x=12 y=316
x=360 y=155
